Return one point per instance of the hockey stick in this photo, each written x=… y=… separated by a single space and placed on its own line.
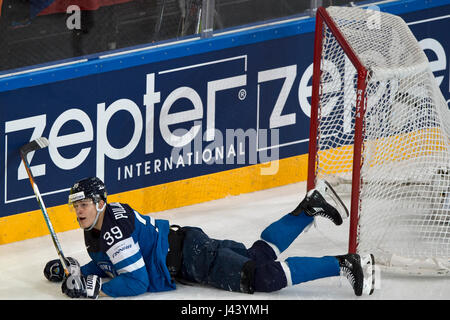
x=34 y=145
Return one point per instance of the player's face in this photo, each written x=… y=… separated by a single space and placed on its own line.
x=86 y=212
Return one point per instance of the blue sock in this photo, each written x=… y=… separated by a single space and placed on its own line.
x=283 y=232
x=308 y=268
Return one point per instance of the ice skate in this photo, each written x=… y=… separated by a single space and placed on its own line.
x=360 y=272
x=315 y=204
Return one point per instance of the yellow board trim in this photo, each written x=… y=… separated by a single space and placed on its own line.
x=162 y=197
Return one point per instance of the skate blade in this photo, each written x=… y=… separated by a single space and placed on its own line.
x=325 y=188
x=368 y=265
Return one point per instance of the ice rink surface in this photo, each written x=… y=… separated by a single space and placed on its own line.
x=240 y=218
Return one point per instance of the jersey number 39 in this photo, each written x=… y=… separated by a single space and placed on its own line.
x=112 y=235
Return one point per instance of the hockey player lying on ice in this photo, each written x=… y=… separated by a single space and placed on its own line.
x=133 y=250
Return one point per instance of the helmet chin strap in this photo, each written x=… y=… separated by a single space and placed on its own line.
x=99 y=210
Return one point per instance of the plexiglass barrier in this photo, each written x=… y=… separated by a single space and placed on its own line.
x=36 y=33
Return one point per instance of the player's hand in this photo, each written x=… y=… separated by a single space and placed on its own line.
x=54 y=270
x=79 y=286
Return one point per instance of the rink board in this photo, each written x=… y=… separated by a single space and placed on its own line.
x=175 y=124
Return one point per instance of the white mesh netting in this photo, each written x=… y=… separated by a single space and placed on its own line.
x=404 y=208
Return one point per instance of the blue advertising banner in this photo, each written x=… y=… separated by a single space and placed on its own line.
x=197 y=112
x=431 y=30
x=159 y=122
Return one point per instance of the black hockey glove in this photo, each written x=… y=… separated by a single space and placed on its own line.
x=79 y=286
x=54 y=270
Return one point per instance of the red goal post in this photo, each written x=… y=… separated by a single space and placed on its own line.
x=322 y=19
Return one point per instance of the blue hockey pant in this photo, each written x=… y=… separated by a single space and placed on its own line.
x=221 y=263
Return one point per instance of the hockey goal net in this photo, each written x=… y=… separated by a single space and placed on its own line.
x=380 y=130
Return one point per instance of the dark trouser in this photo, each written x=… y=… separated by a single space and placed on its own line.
x=224 y=263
